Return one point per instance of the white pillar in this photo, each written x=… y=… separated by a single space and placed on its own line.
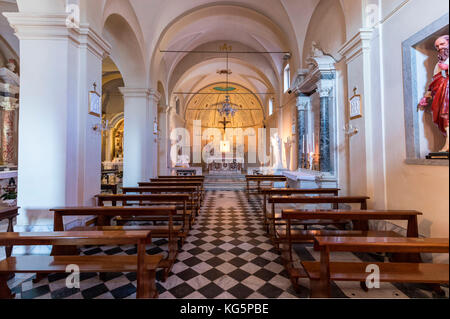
x=154 y=98
x=140 y=147
x=59 y=153
x=164 y=140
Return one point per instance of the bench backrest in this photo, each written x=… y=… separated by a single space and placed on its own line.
x=170 y=183
x=341 y=214
x=199 y=177
x=142 y=198
x=362 y=200
x=75 y=238
x=382 y=244
x=292 y=191
x=159 y=189
x=264 y=178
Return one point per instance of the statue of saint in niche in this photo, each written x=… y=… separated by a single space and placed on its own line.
x=438 y=94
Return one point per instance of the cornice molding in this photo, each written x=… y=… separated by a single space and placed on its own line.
x=134 y=92
x=34 y=26
x=357 y=45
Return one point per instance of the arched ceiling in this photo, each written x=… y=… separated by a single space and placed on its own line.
x=250 y=112
x=181 y=24
x=253 y=71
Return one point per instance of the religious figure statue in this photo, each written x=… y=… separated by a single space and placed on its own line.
x=11 y=65
x=438 y=93
x=316 y=51
x=276 y=151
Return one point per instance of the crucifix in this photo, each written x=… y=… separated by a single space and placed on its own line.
x=225 y=122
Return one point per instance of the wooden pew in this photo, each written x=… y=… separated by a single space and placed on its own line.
x=258 y=179
x=322 y=273
x=268 y=192
x=144 y=265
x=361 y=229
x=192 y=190
x=199 y=177
x=182 y=180
x=179 y=200
x=197 y=184
x=275 y=219
x=104 y=216
x=9 y=213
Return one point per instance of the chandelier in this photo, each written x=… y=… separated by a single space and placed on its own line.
x=227 y=108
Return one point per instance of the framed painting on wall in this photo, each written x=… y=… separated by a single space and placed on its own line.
x=95 y=105
x=355 y=106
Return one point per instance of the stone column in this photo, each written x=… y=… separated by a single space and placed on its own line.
x=324 y=88
x=59 y=152
x=9 y=92
x=7 y=135
x=303 y=102
x=140 y=148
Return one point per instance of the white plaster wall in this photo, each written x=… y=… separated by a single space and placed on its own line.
x=424 y=188
x=326 y=28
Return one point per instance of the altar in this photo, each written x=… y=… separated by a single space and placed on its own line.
x=225 y=165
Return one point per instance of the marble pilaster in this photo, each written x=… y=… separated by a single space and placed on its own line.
x=303 y=103
x=324 y=89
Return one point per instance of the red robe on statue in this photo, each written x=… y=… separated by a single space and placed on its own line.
x=439 y=91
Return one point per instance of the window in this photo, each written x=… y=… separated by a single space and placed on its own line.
x=270 y=107
x=287 y=78
x=177 y=106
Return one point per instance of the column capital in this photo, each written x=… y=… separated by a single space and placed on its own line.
x=134 y=92
x=303 y=102
x=154 y=96
x=357 y=45
x=32 y=26
x=325 y=87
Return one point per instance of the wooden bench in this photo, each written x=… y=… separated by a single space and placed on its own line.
x=178 y=200
x=181 y=180
x=363 y=216
x=197 y=184
x=258 y=179
x=273 y=219
x=104 y=216
x=192 y=190
x=196 y=177
x=268 y=192
x=322 y=273
x=9 y=213
x=144 y=265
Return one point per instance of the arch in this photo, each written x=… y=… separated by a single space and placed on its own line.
x=125 y=51
x=198 y=26
x=250 y=109
x=329 y=36
x=162 y=92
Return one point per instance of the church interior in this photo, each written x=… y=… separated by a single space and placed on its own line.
x=203 y=149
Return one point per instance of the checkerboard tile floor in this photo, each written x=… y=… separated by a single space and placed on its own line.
x=227 y=256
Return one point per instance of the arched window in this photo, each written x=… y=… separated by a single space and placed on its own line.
x=270 y=106
x=287 y=78
x=177 y=106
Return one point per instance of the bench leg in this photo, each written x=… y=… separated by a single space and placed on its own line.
x=5 y=292
x=363 y=286
x=437 y=289
x=153 y=291
x=319 y=289
x=39 y=277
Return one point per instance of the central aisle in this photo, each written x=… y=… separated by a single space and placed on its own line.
x=227 y=254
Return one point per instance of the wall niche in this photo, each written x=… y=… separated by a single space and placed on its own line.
x=419 y=60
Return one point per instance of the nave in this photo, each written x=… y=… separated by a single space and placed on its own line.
x=227 y=255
